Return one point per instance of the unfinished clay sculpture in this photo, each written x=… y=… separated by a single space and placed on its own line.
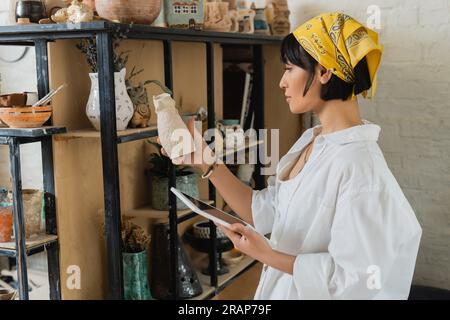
x=173 y=133
x=77 y=12
x=216 y=17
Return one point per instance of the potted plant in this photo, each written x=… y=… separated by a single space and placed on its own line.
x=158 y=173
x=134 y=255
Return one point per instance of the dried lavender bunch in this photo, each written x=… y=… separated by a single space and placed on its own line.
x=89 y=48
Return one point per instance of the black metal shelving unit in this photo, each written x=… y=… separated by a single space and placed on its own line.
x=14 y=138
x=40 y=35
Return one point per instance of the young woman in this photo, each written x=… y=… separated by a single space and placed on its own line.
x=341 y=228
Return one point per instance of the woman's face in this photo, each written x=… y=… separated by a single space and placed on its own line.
x=293 y=83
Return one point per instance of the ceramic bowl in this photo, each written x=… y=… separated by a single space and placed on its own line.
x=201 y=230
x=25 y=117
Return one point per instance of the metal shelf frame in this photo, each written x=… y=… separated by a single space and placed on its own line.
x=14 y=138
x=40 y=35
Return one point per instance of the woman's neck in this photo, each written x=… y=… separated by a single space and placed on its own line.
x=335 y=115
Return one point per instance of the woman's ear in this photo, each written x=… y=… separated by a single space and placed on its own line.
x=324 y=74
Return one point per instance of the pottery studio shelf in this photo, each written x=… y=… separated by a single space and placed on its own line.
x=223 y=280
x=41 y=35
x=26 y=34
x=122 y=136
x=34 y=245
x=161 y=215
x=30 y=132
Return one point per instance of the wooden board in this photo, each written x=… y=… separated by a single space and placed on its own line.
x=149 y=213
x=31 y=132
x=234 y=270
x=93 y=134
x=31 y=243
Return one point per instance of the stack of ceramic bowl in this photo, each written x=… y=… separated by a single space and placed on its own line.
x=201 y=231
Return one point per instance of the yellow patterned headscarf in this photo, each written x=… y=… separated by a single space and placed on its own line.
x=338 y=42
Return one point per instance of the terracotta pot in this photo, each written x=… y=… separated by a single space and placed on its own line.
x=25 y=117
x=129 y=11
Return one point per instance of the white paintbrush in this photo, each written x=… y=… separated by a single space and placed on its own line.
x=48 y=96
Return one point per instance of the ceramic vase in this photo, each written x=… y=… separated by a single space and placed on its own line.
x=124 y=106
x=135 y=276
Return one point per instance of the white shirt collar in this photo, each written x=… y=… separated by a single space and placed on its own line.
x=365 y=132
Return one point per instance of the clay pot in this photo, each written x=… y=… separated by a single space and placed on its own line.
x=129 y=11
x=25 y=117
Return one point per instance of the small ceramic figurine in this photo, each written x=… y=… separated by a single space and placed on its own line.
x=281 y=25
x=77 y=12
x=60 y=16
x=217 y=17
x=246 y=21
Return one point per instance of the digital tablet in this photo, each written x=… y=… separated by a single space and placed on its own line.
x=212 y=213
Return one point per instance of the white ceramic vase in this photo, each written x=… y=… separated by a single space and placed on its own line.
x=124 y=106
x=171 y=128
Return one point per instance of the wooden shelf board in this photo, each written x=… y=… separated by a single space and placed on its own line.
x=31 y=132
x=93 y=134
x=205 y=280
x=31 y=243
x=150 y=213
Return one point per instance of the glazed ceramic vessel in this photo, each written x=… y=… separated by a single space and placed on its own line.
x=135 y=276
x=160 y=190
x=124 y=106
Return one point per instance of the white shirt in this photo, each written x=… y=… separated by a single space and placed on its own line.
x=344 y=217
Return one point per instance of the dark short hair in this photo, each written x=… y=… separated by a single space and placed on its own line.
x=292 y=52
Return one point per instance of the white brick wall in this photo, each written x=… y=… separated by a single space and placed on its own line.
x=413 y=109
